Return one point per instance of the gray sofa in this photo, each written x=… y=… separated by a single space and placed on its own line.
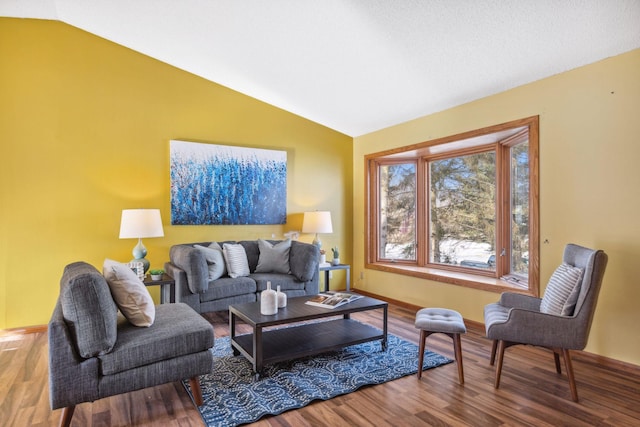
x=188 y=266
x=94 y=353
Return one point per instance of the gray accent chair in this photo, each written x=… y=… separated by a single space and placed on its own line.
x=188 y=267
x=516 y=318
x=94 y=353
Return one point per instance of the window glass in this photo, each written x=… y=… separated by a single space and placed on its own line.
x=520 y=209
x=462 y=207
x=397 y=213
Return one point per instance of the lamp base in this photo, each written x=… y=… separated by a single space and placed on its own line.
x=317 y=242
x=139 y=252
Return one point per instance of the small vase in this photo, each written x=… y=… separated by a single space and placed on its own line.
x=323 y=258
x=268 y=301
x=336 y=261
x=282 y=298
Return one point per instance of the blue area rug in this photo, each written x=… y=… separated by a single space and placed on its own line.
x=232 y=396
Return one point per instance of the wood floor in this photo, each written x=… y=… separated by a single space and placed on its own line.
x=531 y=393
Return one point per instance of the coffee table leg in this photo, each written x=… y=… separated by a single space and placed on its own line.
x=384 y=327
x=257 y=352
x=232 y=328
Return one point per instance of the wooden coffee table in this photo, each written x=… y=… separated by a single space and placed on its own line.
x=264 y=347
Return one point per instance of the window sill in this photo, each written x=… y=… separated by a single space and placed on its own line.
x=468 y=280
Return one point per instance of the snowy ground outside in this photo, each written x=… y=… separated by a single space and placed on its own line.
x=457 y=250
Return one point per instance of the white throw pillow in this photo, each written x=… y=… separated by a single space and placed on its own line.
x=130 y=294
x=215 y=260
x=274 y=258
x=236 y=259
x=562 y=291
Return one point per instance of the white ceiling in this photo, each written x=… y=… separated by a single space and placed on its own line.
x=358 y=66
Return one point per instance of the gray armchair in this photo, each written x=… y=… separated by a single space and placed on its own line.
x=93 y=354
x=518 y=319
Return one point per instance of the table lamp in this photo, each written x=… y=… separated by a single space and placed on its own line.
x=317 y=222
x=137 y=224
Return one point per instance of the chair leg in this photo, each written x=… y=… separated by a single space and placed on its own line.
x=423 y=338
x=457 y=346
x=67 y=414
x=494 y=346
x=569 y=368
x=500 y=351
x=196 y=390
x=556 y=358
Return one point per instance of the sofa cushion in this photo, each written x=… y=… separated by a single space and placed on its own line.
x=131 y=295
x=562 y=291
x=88 y=309
x=287 y=282
x=215 y=260
x=253 y=252
x=274 y=258
x=177 y=331
x=235 y=258
x=228 y=287
x=303 y=260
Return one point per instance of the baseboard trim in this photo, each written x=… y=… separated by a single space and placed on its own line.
x=478 y=327
x=23 y=331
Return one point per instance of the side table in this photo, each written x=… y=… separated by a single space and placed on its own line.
x=331 y=267
x=167 y=287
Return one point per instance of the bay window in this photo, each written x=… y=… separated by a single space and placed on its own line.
x=461 y=209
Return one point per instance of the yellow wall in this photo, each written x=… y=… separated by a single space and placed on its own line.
x=589 y=180
x=85 y=126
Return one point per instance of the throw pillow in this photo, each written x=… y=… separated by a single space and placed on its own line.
x=215 y=260
x=131 y=295
x=562 y=291
x=236 y=259
x=274 y=258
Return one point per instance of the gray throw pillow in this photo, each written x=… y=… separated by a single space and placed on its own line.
x=215 y=260
x=274 y=258
x=562 y=291
x=235 y=258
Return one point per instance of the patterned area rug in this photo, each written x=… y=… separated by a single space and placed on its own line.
x=232 y=396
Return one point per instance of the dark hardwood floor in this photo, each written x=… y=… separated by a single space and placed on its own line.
x=531 y=393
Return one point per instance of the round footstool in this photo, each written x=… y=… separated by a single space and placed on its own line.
x=441 y=321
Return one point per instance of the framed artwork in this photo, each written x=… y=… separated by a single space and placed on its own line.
x=221 y=184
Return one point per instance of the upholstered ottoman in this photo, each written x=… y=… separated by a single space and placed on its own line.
x=442 y=321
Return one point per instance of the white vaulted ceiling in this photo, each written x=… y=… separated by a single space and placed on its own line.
x=357 y=66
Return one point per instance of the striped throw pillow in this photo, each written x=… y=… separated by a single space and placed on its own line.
x=562 y=291
x=236 y=259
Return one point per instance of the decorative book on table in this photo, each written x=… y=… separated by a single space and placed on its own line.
x=331 y=299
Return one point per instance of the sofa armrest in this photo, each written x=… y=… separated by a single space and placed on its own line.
x=194 y=264
x=312 y=287
x=304 y=260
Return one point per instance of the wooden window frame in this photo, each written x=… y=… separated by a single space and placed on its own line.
x=503 y=136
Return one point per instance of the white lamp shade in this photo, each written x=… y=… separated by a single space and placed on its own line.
x=139 y=223
x=317 y=222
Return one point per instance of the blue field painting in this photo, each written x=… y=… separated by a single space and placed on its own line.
x=227 y=185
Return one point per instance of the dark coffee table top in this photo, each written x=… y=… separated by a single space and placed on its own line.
x=297 y=311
